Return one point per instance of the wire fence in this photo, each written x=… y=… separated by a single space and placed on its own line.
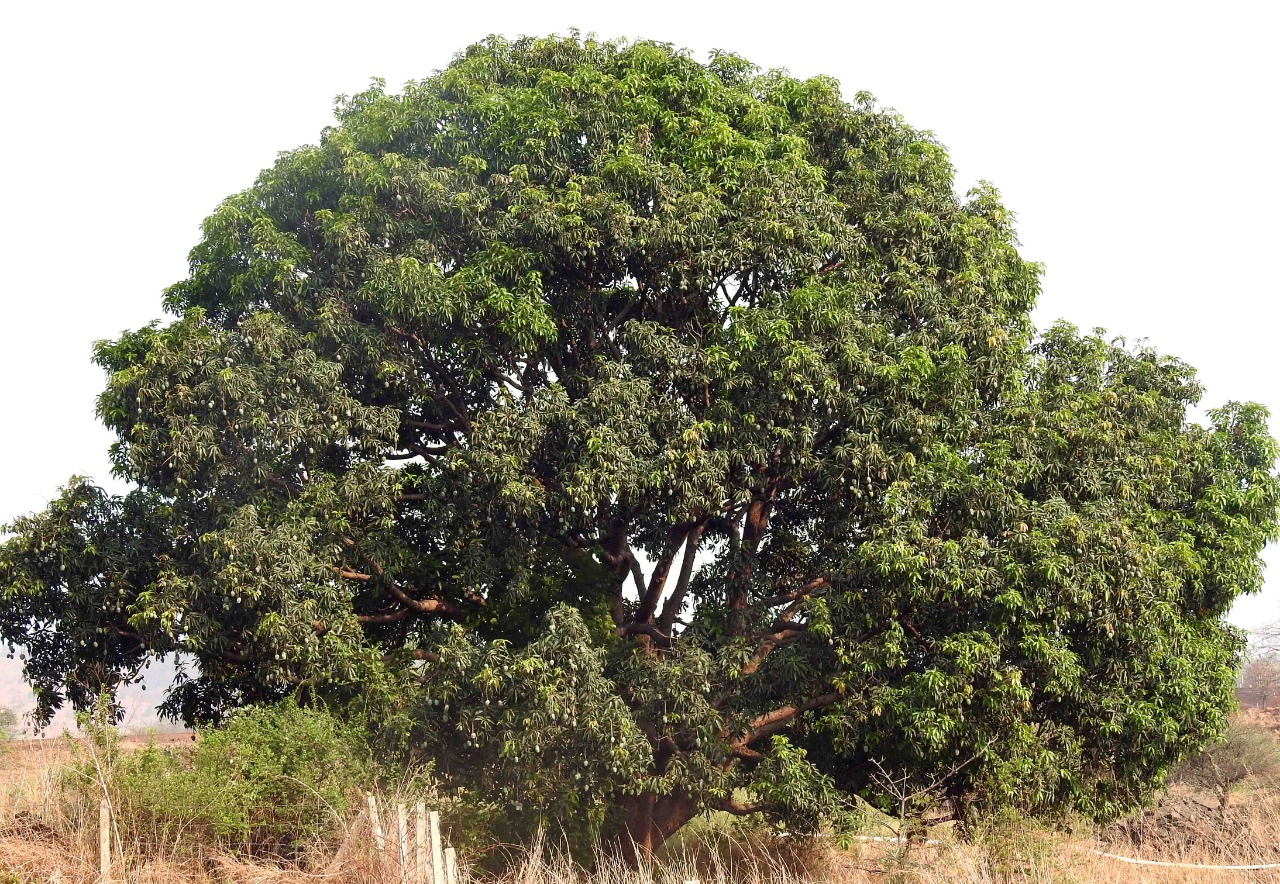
x=420 y=851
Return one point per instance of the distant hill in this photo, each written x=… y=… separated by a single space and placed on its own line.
x=140 y=705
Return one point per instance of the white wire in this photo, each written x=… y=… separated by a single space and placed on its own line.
x=1172 y=865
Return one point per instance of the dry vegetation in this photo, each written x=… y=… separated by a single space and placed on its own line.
x=47 y=836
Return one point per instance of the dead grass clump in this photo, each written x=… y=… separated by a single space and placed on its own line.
x=709 y=858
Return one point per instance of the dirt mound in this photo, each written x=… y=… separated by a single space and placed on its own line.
x=27 y=826
x=1177 y=823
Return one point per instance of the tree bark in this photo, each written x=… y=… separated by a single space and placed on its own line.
x=650 y=820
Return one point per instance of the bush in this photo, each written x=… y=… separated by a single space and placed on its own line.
x=1248 y=750
x=8 y=722
x=279 y=771
x=1012 y=847
x=266 y=782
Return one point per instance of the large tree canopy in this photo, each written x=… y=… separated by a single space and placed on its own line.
x=642 y=436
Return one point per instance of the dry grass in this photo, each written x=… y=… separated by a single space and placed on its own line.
x=38 y=860
x=43 y=840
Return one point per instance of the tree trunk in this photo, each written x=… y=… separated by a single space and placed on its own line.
x=962 y=810
x=650 y=820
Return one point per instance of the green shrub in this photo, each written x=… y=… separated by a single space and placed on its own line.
x=278 y=773
x=266 y=782
x=8 y=722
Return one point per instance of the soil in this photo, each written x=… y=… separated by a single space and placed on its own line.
x=1177 y=823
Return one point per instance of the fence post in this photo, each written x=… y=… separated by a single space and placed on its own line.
x=402 y=828
x=379 y=840
x=104 y=841
x=437 y=854
x=420 y=843
x=450 y=866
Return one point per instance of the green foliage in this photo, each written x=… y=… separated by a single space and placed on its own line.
x=542 y=721
x=279 y=772
x=682 y=430
x=265 y=782
x=8 y=722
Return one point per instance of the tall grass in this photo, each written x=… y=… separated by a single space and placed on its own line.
x=48 y=833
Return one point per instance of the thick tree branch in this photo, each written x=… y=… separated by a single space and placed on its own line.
x=437 y=606
x=509 y=381
x=614 y=548
x=786 y=619
x=665 y=751
x=637 y=575
x=378 y=619
x=769 y=644
x=621 y=317
x=729 y=805
x=617 y=608
x=755 y=524
x=801 y=592
x=425 y=606
x=648 y=629
x=772 y=722
x=676 y=600
x=622 y=559
x=657 y=582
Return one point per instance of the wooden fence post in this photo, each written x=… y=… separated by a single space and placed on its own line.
x=402 y=828
x=437 y=853
x=379 y=840
x=450 y=865
x=420 y=843
x=104 y=841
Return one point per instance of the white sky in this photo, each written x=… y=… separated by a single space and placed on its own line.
x=1136 y=143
